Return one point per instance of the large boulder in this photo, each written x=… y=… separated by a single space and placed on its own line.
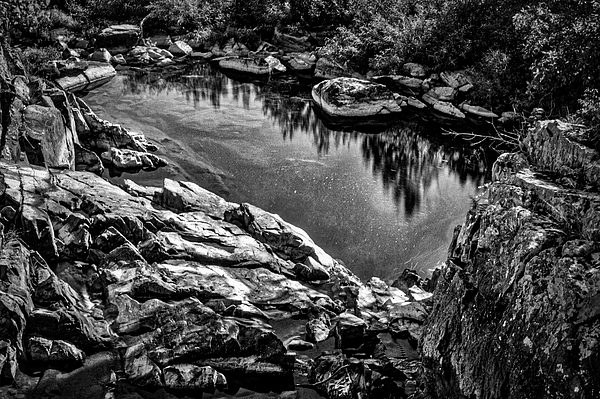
x=350 y=97
x=47 y=134
x=118 y=39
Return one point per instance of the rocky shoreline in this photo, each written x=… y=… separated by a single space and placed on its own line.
x=442 y=98
x=516 y=307
x=123 y=292
x=146 y=292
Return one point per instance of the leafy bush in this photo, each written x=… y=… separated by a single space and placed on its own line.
x=191 y=14
x=117 y=10
x=23 y=17
x=314 y=13
x=34 y=58
x=562 y=49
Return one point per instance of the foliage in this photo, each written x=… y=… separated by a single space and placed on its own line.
x=117 y=10
x=562 y=49
x=23 y=17
x=34 y=58
x=314 y=13
x=191 y=14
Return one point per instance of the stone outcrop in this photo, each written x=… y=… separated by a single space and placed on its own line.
x=83 y=75
x=181 y=281
x=350 y=97
x=515 y=313
x=47 y=137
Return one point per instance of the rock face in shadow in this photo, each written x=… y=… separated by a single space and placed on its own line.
x=515 y=313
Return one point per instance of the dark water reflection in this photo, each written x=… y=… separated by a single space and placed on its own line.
x=380 y=202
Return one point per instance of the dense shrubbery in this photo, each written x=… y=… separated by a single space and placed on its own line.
x=521 y=53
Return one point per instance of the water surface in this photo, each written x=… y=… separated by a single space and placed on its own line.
x=379 y=202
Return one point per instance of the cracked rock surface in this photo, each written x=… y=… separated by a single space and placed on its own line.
x=515 y=311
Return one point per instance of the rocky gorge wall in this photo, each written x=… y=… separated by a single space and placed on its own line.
x=516 y=309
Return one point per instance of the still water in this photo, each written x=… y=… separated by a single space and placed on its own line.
x=379 y=202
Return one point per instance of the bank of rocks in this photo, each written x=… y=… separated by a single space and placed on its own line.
x=515 y=313
x=120 y=292
x=442 y=97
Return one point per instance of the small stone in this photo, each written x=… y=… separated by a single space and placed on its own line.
x=180 y=48
x=101 y=55
x=297 y=344
x=415 y=70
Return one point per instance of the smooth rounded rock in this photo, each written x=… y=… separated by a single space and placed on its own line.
x=350 y=97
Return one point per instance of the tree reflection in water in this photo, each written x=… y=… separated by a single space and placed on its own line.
x=405 y=157
x=408 y=163
x=198 y=83
x=402 y=157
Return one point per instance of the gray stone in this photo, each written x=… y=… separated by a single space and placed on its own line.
x=180 y=48
x=329 y=69
x=443 y=93
x=254 y=65
x=189 y=376
x=349 y=97
x=101 y=55
x=91 y=75
x=118 y=38
x=478 y=111
x=160 y=40
x=454 y=79
x=554 y=147
x=415 y=70
x=443 y=107
x=46 y=127
x=289 y=43
x=318 y=328
x=403 y=84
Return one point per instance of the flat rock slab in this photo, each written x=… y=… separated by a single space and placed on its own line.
x=255 y=65
x=95 y=74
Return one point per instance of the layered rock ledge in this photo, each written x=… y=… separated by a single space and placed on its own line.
x=516 y=309
x=176 y=288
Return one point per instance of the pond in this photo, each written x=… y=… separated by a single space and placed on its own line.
x=380 y=202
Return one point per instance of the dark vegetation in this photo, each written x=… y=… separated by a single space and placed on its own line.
x=521 y=54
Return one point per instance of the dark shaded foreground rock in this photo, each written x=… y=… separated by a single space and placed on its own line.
x=167 y=288
x=515 y=313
